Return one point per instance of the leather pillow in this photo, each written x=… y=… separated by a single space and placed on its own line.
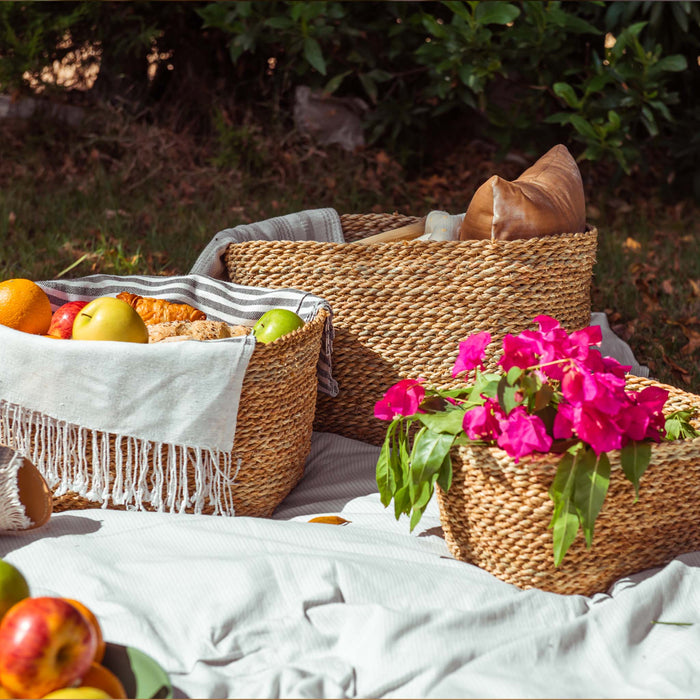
x=546 y=199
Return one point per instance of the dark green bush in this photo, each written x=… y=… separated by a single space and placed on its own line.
x=521 y=73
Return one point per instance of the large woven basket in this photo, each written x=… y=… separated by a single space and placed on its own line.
x=273 y=428
x=496 y=514
x=400 y=309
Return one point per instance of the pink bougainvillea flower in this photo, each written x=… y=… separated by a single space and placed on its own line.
x=518 y=352
x=563 y=422
x=522 y=434
x=634 y=422
x=578 y=385
x=652 y=400
x=546 y=323
x=612 y=366
x=402 y=399
x=471 y=353
x=597 y=428
x=482 y=422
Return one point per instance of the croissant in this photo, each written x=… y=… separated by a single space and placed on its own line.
x=159 y=310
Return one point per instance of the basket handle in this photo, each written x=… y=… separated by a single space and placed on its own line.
x=403 y=233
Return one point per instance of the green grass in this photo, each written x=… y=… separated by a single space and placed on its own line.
x=121 y=197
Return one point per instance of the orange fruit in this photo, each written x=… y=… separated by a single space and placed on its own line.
x=24 y=306
x=92 y=620
x=99 y=676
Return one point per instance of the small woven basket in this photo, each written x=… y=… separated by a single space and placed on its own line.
x=273 y=427
x=400 y=309
x=496 y=514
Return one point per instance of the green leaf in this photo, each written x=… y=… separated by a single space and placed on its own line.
x=675 y=63
x=513 y=374
x=566 y=93
x=279 y=22
x=634 y=459
x=488 y=12
x=384 y=473
x=679 y=427
x=334 y=83
x=565 y=519
x=445 y=474
x=314 y=55
x=369 y=85
x=402 y=501
x=507 y=395
x=583 y=127
x=449 y=421
x=428 y=454
x=590 y=488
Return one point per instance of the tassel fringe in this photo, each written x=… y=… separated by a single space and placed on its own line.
x=128 y=472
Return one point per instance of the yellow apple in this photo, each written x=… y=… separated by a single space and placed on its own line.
x=275 y=323
x=109 y=318
x=13 y=587
x=84 y=692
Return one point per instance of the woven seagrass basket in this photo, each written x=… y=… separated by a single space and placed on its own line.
x=273 y=436
x=496 y=514
x=401 y=309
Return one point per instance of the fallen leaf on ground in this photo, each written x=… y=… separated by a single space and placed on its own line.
x=329 y=520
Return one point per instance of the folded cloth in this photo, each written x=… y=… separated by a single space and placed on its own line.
x=613 y=346
x=312 y=225
x=151 y=397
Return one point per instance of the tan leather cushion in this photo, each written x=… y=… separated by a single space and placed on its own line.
x=546 y=199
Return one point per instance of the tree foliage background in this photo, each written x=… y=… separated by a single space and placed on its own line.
x=616 y=79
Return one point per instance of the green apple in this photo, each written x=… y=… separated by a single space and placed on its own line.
x=109 y=318
x=275 y=323
x=13 y=587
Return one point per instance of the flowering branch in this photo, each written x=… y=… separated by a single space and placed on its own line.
x=554 y=391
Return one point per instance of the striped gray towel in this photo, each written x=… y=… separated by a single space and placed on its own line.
x=220 y=301
x=321 y=225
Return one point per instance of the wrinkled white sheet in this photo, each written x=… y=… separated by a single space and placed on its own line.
x=255 y=608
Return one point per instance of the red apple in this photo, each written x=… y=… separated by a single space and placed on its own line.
x=62 y=319
x=45 y=644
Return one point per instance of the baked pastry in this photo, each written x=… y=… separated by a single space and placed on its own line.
x=160 y=310
x=193 y=330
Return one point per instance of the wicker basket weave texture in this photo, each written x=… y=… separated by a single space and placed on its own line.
x=273 y=428
x=400 y=309
x=496 y=514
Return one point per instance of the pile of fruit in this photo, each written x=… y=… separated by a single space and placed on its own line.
x=126 y=317
x=49 y=647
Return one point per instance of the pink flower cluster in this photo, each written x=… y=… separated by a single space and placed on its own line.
x=592 y=403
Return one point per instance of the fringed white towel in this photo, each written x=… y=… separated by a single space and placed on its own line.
x=163 y=404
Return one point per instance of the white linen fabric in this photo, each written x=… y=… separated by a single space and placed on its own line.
x=283 y=608
x=155 y=398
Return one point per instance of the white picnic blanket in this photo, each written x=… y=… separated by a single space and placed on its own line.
x=283 y=608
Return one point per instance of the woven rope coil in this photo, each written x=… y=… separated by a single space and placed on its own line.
x=273 y=429
x=400 y=309
x=496 y=514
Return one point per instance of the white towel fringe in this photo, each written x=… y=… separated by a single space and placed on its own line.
x=12 y=513
x=147 y=473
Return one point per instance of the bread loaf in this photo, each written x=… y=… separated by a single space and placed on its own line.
x=159 y=310
x=193 y=330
